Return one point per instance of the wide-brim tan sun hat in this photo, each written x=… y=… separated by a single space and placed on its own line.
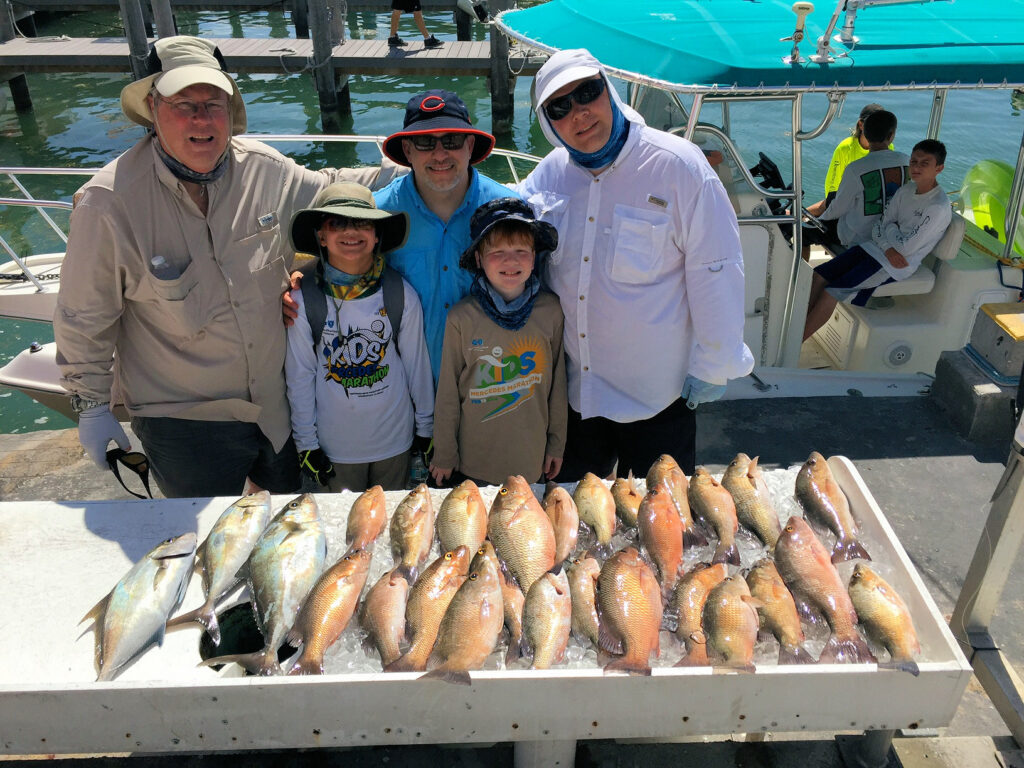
x=177 y=63
x=353 y=201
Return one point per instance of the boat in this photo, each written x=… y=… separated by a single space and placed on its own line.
x=687 y=63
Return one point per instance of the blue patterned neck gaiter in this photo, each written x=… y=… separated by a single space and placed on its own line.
x=611 y=149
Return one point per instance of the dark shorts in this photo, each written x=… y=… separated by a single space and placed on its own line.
x=853 y=274
x=596 y=444
x=192 y=458
x=408 y=6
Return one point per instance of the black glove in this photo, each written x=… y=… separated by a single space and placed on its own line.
x=316 y=465
x=422 y=445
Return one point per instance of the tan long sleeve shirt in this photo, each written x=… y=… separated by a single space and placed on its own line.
x=208 y=344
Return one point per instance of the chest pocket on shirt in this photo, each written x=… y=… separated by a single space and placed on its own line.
x=638 y=243
x=271 y=279
x=554 y=209
x=180 y=302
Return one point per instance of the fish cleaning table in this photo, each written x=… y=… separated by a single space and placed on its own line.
x=58 y=559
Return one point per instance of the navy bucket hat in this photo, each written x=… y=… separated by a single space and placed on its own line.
x=433 y=111
x=490 y=214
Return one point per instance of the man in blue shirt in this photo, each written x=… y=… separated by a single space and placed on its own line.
x=439 y=143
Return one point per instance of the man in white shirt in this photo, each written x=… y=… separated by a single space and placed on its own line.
x=649 y=272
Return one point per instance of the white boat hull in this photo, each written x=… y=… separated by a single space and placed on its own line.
x=21 y=299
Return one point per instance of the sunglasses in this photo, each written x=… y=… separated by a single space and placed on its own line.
x=133 y=460
x=426 y=143
x=339 y=223
x=584 y=93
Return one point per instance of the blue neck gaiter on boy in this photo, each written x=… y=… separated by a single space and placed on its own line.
x=510 y=315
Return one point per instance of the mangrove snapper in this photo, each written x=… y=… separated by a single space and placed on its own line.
x=367 y=518
x=383 y=615
x=777 y=611
x=521 y=532
x=596 y=506
x=745 y=482
x=629 y=609
x=412 y=531
x=713 y=504
x=462 y=518
x=688 y=604
x=885 y=616
x=565 y=520
x=547 y=616
x=825 y=504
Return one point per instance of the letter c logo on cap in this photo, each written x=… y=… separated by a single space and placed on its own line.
x=432 y=104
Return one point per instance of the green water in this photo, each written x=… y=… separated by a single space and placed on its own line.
x=77 y=121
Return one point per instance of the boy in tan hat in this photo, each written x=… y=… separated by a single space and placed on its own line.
x=171 y=285
x=359 y=381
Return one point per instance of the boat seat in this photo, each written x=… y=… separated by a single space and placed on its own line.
x=923 y=279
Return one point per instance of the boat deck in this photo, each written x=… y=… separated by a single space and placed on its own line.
x=932 y=485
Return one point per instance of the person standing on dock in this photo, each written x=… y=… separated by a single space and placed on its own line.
x=649 y=271
x=170 y=289
x=441 y=146
x=398 y=7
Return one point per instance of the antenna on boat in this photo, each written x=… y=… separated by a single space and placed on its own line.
x=846 y=36
x=801 y=9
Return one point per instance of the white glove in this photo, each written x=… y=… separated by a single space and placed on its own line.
x=96 y=428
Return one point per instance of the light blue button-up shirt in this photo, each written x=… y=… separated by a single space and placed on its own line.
x=429 y=260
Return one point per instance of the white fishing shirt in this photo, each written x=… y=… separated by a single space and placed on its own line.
x=356 y=397
x=912 y=224
x=649 y=272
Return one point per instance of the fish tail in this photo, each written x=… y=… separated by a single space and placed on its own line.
x=628 y=664
x=907 y=665
x=204 y=615
x=408 y=572
x=259 y=663
x=307 y=665
x=457 y=676
x=851 y=650
x=409 y=662
x=726 y=554
x=795 y=654
x=693 y=538
x=515 y=650
x=849 y=549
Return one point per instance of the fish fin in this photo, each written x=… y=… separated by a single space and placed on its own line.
x=850 y=651
x=693 y=538
x=628 y=665
x=258 y=663
x=457 y=676
x=849 y=549
x=514 y=652
x=407 y=572
x=306 y=665
x=607 y=641
x=407 y=662
x=729 y=554
x=764 y=634
x=795 y=655
x=204 y=615
x=906 y=665
x=294 y=637
x=96 y=612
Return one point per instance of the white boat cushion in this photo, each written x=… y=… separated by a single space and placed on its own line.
x=923 y=280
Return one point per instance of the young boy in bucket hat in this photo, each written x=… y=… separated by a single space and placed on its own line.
x=357 y=370
x=501 y=402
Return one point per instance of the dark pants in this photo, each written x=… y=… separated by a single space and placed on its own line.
x=596 y=444
x=191 y=458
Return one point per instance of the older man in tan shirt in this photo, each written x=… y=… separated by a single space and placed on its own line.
x=170 y=290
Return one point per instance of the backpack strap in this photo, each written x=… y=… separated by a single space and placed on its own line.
x=394 y=301
x=315 y=302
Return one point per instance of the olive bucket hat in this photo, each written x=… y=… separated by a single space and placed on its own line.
x=353 y=201
x=490 y=214
x=177 y=63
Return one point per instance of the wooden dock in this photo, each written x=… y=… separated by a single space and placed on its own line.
x=274 y=55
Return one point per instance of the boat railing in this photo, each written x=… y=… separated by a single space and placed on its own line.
x=16 y=175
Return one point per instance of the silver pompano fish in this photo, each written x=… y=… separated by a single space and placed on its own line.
x=825 y=503
x=745 y=482
x=412 y=531
x=133 y=615
x=223 y=554
x=284 y=565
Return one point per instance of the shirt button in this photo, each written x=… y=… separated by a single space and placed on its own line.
x=444 y=268
x=591 y=218
x=581 y=298
x=586 y=367
x=596 y=180
x=446 y=305
x=583 y=335
x=234 y=304
x=586 y=258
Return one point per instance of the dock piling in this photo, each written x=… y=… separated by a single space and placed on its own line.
x=328 y=85
x=164 y=18
x=135 y=31
x=463 y=24
x=18 y=84
x=501 y=80
x=300 y=17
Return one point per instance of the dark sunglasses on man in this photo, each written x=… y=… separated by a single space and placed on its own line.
x=426 y=142
x=136 y=462
x=584 y=93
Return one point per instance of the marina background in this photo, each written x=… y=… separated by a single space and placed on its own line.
x=77 y=121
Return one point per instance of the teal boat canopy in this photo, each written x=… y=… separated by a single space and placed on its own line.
x=735 y=45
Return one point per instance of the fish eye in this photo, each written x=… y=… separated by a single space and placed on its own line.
x=473 y=576
x=447 y=555
x=503 y=491
x=790 y=528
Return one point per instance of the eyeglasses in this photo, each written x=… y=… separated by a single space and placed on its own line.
x=427 y=142
x=339 y=223
x=133 y=460
x=584 y=93
x=185 y=108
